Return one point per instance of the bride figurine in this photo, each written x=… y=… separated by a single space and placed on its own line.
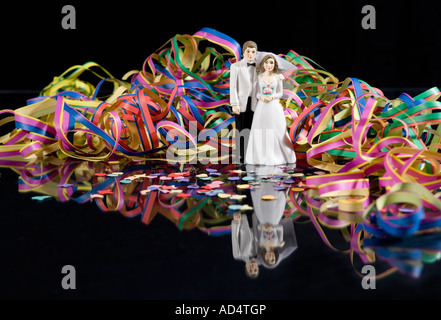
x=269 y=142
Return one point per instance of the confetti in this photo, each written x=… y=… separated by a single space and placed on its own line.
x=183 y=195
x=237 y=171
x=212 y=193
x=304 y=186
x=113 y=175
x=297 y=175
x=238 y=197
x=132 y=178
x=100 y=174
x=140 y=176
x=96 y=196
x=175 y=175
x=268 y=197
x=41 y=198
x=215 y=174
x=66 y=185
x=105 y=191
x=171 y=187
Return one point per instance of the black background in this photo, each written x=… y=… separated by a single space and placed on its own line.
x=120 y=258
x=402 y=52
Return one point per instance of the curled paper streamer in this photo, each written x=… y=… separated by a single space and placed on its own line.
x=179 y=98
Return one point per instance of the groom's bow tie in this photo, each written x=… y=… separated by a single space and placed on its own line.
x=251 y=64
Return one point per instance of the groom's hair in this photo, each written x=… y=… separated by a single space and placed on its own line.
x=249 y=44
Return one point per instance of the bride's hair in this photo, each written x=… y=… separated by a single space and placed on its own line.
x=265 y=58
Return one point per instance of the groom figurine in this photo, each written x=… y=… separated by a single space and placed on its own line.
x=243 y=99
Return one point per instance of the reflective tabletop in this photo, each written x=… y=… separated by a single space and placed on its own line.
x=83 y=230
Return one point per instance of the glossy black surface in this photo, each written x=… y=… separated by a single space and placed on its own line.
x=116 y=257
x=122 y=258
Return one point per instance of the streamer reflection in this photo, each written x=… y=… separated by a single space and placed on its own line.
x=221 y=200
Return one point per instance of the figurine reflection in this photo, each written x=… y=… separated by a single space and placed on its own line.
x=271 y=237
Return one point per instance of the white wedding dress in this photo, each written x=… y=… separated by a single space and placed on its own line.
x=269 y=142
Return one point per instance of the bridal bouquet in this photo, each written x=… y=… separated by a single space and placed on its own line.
x=267 y=90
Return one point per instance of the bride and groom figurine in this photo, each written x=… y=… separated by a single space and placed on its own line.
x=255 y=89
